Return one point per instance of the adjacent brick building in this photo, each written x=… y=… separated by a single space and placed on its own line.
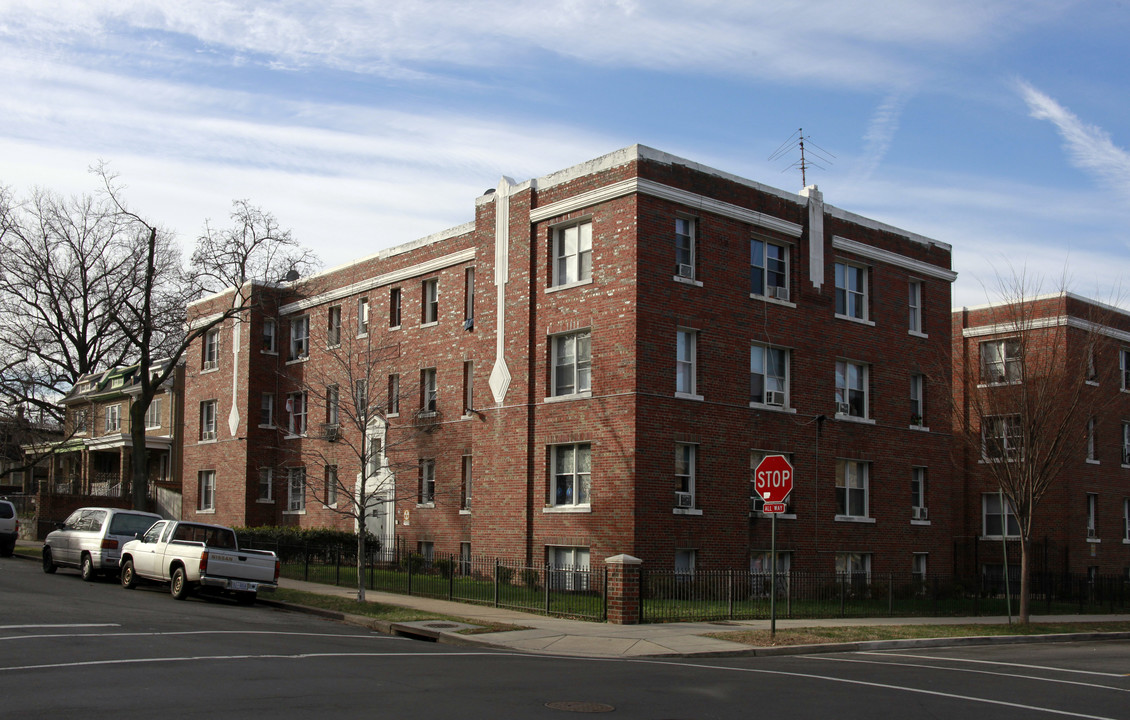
x=591 y=367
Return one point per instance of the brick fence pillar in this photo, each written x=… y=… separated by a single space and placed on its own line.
x=623 y=589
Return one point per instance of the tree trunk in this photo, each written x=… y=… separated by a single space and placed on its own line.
x=1025 y=583
x=139 y=458
x=361 y=562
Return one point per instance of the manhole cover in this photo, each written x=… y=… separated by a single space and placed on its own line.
x=577 y=706
x=441 y=625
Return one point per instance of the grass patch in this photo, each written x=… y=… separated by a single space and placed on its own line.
x=381 y=611
x=862 y=633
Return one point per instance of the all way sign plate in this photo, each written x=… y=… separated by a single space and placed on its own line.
x=773 y=508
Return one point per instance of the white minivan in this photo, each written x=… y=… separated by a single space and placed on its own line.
x=91 y=539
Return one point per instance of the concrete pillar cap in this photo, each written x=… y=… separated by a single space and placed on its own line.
x=623 y=560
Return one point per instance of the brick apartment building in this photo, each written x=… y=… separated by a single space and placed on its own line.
x=1082 y=525
x=591 y=367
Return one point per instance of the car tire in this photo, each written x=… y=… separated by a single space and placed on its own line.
x=129 y=578
x=178 y=585
x=49 y=565
x=86 y=568
x=8 y=549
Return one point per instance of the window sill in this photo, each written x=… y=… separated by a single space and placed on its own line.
x=467 y=417
x=920 y=522
x=1092 y=383
x=567 y=286
x=854 y=419
x=329 y=507
x=267 y=501
x=570 y=396
x=919 y=428
x=464 y=512
x=689 y=396
x=858 y=321
x=209 y=370
x=686 y=511
x=997 y=384
x=294 y=512
x=290 y=436
x=772 y=300
x=918 y=334
x=433 y=323
x=267 y=427
x=1096 y=541
x=780 y=516
x=998 y=538
x=566 y=509
x=1094 y=462
x=426 y=505
x=295 y=361
x=773 y=408
x=211 y=511
x=687 y=281
x=209 y=441
x=363 y=334
x=426 y=414
x=393 y=414
x=269 y=352
x=393 y=327
x=854 y=519
x=1126 y=541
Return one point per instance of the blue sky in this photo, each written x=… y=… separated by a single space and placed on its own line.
x=997 y=126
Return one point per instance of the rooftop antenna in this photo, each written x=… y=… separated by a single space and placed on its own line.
x=797 y=140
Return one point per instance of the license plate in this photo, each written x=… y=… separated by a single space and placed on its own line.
x=241 y=586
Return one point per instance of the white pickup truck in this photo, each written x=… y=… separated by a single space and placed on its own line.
x=191 y=555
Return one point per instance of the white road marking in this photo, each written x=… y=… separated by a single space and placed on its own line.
x=968 y=670
x=70 y=625
x=373 y=636
x=995 y=662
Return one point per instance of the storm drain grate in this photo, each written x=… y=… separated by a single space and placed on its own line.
x=441 y=625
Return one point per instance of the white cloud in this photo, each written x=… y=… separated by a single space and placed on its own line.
x=881 y=133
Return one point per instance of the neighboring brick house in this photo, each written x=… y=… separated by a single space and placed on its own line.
x=92 y=464
x=1082 y=524
x=599 y=359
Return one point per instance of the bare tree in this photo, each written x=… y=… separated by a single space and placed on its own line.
x=1027 y=406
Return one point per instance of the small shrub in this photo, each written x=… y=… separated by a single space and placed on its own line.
x=530 y=578
x=443 y=565
x=505 y=574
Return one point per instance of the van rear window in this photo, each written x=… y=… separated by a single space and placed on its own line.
x=6 y=511
x=130 y=524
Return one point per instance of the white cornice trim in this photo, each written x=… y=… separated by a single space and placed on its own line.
x=1007 y=328
x=665 y=192
x=886 y=256
x=388 y=278
x=197 y=322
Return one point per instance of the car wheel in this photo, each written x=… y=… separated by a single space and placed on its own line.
x=129 y=579
x=8 y=549
x=86 y=568
x=179 y=584
x=49 y=565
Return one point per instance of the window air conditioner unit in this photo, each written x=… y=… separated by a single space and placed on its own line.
x=208 y=435
x=684 y=500
x=331 y=432
x=686 y=271
x=920 y=513
x=843 y=408
x=781 y=293
x=775 y=397
x=1090 y=532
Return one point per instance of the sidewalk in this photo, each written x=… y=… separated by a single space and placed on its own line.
x=557 y=636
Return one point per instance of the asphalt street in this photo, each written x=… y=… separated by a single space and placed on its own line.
x=74 y=649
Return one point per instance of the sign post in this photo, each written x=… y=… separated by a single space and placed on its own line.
x=773 y=480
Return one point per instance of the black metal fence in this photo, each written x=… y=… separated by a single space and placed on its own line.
x=670 y=596
x=563 y=591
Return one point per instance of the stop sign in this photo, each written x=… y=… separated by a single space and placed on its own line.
x=773 y=478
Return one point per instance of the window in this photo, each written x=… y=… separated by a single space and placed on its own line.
x=393 y=395
x=430 y=313
x=684 y=475
x=572 y=254
x=1126 y=443
x=570 y=566
x=361 y=397
x=394 y=308
x=918 y=494
x=686 y=342
x=572 y=478
x=1091 y=440
x=428 y=390
x=769 y=269
x=211 y=359
x=113 y=418
x=426 y=549
x=467 y=483
x=208 y=420
x=296 y=489
x=1126 y=520
x=572 y=363
x=333 y=332
x=684 y=562
x=1124 y=367
x=1092 y=515
x=914 y=306
x=78 y=422
x=269 y=332
x=469 y=299
x=300 y=338
x=468 y=387
x=851 y=389
x=851 y=291
x=918 y=567
x=1000 y=361
x=992 y=521
x=266 y=485
x=851 y=489
x=685 y=247
x=363 y=316
x=1000 y=437
x=296 y=409
x=464 y=558
x=206 y=500
x=917 y=400
x=426 y=492
x=331 y=485
x=756 y=502
x=153 y=414
x=267 y=410
x=854 y=566
x=333 y=405
x=768 y=376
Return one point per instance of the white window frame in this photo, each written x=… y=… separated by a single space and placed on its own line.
x=571 y=476
x=297 y=411
x=686 y=463
x=208 y=412
x=394 y=395
x=206 y=491
x=1000 y=361
x=113 y=418
x=847 y=392
x=333 y=326
x=568 y=361
x=918 y=401
x=468 y=484
x=853 y=482
x=764 y=270
x=426 y=492
x=295 y=491
x=686 y=363
x=991 y=506
x=572 y=254
x=914 y=307
x=299 y=338
x=852 y=564
x=759 y=369
x=429 y=299
x=1126 y=444
x=333 y=404
x=469 y=298
x=153 y=414
x=686 y=241
x=211 y=354
x=360 y=398
x=918 y=566
x=853 y=298
x=267 y=410
x=468 y=387
x=918 y=493
x=1126 y=520
x=569 y=567
x=330 y=479
x=1092 y=516
x=267 y=484
x=429 y=398
x=1091 y=441
x=270 y=337
x=362 y=317
x=395 y=308
x=1002 y=430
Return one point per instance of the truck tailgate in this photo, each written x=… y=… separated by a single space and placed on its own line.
x=242 y=565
